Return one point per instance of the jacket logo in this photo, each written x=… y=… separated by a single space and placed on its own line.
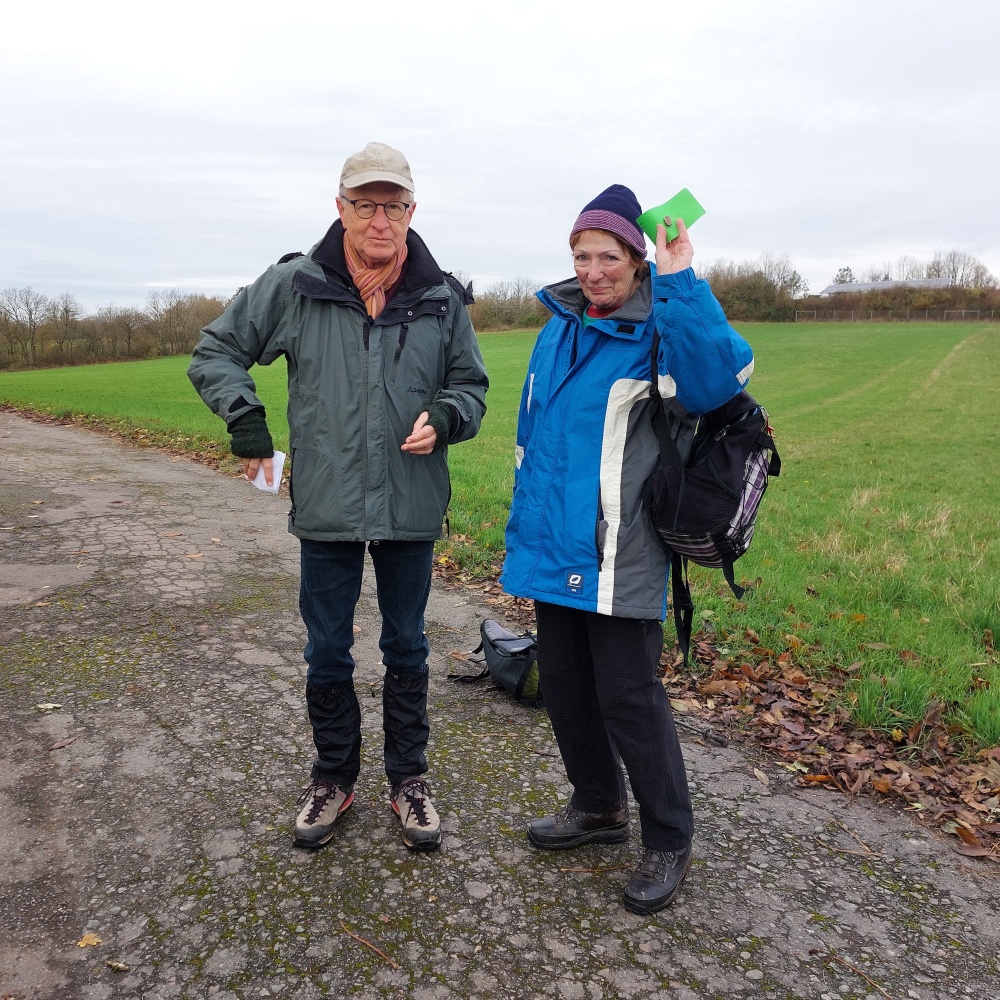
x=574 y=582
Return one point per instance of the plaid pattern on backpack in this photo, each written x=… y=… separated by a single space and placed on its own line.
x=704 y=495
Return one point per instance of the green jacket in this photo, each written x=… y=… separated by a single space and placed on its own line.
x=355 y=387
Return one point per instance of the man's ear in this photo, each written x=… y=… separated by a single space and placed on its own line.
x=341 y=208
x=413 y=208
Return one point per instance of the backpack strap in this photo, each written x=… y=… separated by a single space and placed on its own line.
x=683 y=605
x=730 y=574
x=685 y=424
x=470 y=678
x=524 y=676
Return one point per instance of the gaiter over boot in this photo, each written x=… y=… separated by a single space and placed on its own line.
x=335 y=716
x=404 y=719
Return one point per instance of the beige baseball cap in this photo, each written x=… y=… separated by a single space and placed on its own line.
x=377 y=162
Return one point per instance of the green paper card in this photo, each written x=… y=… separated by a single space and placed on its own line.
x=683 y=205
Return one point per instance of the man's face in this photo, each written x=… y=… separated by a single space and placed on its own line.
x=378 y=239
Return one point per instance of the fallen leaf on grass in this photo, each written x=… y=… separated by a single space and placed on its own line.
x=42 y=604
x=117 y=966
x=761 y=776
x=88 y=940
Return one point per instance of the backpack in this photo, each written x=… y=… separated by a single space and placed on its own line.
x=511 y=660
x=704 y=494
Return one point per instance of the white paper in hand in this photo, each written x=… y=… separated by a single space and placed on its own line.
x=261 y=483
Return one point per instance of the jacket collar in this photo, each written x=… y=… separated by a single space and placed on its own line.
x=420 y=271
x=567 y=299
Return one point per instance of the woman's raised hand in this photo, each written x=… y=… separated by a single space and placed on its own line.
x=678 y=253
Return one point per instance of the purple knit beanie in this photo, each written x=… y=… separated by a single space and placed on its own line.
x=614 y=210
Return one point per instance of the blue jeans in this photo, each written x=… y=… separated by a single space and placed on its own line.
x=329 y=589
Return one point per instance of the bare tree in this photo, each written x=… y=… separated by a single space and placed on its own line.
x=509 y=303
x=877 y=272
x=166 y=315
x=777 y=268
x=64 y=315
x=119 y=327
x=909 y=267
x=24 y=311
x=962 y=269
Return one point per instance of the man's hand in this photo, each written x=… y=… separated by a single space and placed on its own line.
x=422 y=438
x=251 y=465
x=678 y=253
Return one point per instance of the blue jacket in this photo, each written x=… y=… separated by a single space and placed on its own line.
x=579 y=534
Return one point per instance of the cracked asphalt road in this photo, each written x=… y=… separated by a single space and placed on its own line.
x=155 y=739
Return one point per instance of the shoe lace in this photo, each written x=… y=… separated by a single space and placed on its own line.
x=321 y=793
x=568 y=814
x=415 y=792
x=657 y=864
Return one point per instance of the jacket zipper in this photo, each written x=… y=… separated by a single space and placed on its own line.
x=403 y=331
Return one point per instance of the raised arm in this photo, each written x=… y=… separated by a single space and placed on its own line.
x=707 y=360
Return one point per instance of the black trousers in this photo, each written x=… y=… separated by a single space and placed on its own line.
x=608 y=707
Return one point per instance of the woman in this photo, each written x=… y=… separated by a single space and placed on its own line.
x=580 y=542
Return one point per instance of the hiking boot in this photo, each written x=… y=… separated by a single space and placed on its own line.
x=571 y=827
x=657 y=880
x=322 y=804
x=411 y=802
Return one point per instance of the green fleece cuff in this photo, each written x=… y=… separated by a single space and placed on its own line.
x=439 y=416
x=250 y=436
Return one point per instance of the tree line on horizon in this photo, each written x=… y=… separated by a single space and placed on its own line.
x=40 y=331
x=37 y=331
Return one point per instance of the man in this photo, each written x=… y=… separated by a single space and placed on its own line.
x=384 y=372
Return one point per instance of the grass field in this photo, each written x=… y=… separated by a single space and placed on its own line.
x=877 y=550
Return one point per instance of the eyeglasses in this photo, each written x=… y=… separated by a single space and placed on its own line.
x=366 y=209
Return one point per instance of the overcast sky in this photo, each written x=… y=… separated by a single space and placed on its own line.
x=189 y=145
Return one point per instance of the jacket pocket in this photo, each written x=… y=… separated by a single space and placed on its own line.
x=600 y=531
x=419 y=493
x=323 y=500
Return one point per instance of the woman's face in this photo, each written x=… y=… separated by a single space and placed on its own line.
x=605 y=271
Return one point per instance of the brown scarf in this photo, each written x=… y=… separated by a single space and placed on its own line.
x=373 y=281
